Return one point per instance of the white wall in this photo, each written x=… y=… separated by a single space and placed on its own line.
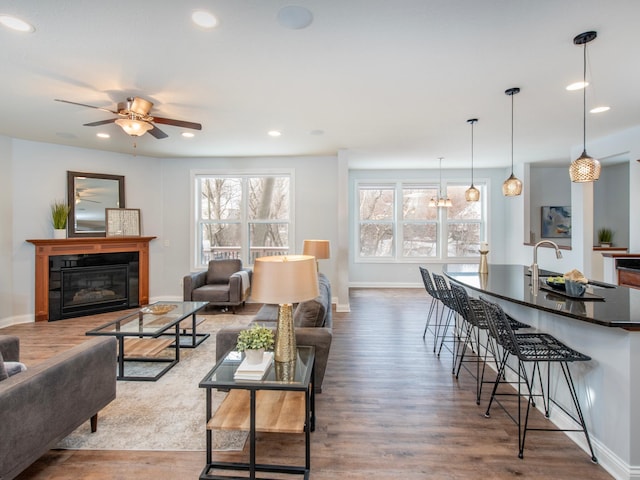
x=549 y=186
x=315 y=204
x=34 y=174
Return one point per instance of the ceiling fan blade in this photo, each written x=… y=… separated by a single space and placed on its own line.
x=85 y=105
x=156 y=132
x=101 y=122
x=177 y=123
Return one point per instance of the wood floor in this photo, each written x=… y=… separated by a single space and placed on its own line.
x=390 y=409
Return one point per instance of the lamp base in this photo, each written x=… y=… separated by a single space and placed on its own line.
x=483 y=267
x=285 y=348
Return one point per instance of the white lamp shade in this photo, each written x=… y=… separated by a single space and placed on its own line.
x=321 y=249
x=284 y=279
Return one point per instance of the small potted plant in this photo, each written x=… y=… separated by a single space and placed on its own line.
x=59 y=216
x=254 y=341
x=605 y=237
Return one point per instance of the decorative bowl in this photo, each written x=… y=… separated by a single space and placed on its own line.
x=555 y=284
x=158 y=309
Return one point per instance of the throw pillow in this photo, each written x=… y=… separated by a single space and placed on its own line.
x=3 y=371
x=14 y=367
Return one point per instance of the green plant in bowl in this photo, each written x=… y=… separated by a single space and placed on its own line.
x=255 y=338
x=605 y=235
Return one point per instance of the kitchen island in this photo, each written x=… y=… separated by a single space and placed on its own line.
x=606 y=327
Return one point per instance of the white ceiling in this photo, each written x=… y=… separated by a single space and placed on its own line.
x=391 y=81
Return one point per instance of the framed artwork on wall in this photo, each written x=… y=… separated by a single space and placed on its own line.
x=556 y=222
x=123 y=222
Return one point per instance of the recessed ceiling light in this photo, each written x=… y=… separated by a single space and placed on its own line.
x=600 y=109
x=14 y=23
x=294 y=17
x=103 y=135
x=316 y=132
x=188 y=135
x=204 y=19
x=577 y=86
x=274 y=133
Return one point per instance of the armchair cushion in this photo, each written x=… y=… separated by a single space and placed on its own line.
x=221 y=270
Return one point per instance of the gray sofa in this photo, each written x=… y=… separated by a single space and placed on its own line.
x=44 y=404
x=313 y=322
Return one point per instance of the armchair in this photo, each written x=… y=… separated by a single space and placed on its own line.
x=224 y=283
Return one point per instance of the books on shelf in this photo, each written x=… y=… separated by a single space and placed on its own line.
x=255 y=371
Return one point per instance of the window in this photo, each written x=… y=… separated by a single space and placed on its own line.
x=242 y=216
x=396 y=223
x=464 y=223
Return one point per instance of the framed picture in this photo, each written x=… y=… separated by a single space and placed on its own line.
x=122 y=222
x=556 y=222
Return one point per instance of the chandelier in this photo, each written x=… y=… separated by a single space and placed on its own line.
x=442 y=201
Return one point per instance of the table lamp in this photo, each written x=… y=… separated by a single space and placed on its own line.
x=317 y=248
x=284 y=280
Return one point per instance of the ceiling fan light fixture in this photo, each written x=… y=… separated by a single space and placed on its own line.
x=584 y=168
x=134 y=127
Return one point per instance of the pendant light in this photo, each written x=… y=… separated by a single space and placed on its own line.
x=472 y=194
x=442 y=202
x=584 y=168
x=512 y=187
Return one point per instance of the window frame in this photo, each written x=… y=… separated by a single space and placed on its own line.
x=441 y=221
x=244 y=222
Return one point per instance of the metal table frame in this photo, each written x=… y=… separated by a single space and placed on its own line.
x=226 y=382
x=114 y=328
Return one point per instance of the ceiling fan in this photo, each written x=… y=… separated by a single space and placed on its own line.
x=134 y=118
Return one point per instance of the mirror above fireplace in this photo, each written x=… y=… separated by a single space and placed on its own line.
x=88 y=195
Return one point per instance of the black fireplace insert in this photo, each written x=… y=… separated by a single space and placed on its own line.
x=87 y=284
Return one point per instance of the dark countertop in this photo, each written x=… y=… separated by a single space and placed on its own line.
x=513 y=283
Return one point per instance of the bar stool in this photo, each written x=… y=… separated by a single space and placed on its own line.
x=433 y=306
x=448 y=300
x=534 y=348
x=472 y=311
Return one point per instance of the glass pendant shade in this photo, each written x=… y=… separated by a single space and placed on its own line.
x=584 y=168
x=472 y=194
x=512 y=186
x=441 y=202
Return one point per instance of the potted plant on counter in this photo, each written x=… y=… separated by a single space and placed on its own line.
x=605 y=237
x=254 y=342
x=59 y=216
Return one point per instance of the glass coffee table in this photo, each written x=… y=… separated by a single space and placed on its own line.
x=282 y=402
x=153 y=334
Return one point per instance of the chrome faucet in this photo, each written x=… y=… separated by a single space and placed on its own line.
x=534 y=266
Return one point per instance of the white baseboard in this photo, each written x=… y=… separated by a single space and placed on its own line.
x=5 y=322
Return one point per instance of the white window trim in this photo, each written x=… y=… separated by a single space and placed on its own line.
x=442 y=223
x=256 y=172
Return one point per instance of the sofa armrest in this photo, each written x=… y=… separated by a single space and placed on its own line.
x=51 y=399
x=10 y=348
x=191 y=282
x=235 y=288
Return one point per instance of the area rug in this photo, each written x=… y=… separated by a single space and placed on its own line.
x=168 y=414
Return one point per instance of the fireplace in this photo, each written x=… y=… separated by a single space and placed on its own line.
x=87 y=284
x=70 y=256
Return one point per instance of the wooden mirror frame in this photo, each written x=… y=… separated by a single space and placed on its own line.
x=71 y=201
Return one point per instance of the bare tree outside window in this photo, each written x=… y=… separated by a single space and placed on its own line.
x=376 y=221
x=243 y=217
x=464 y=223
